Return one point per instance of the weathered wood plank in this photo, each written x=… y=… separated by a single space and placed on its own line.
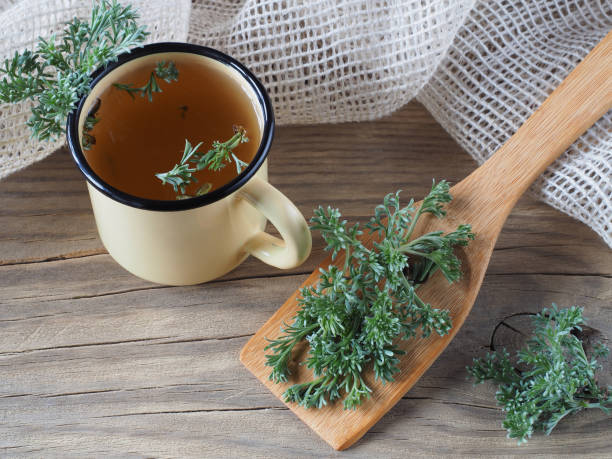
x=124 y=371
x=99 y=363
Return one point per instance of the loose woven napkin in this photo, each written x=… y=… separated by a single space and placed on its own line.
x=480 y=67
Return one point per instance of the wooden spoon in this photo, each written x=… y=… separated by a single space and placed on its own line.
x=484 y=199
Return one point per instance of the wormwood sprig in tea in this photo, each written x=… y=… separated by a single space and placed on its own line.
x=166 y=71
x=353 y=317
x=556 y=378
x=221 y=154
x=181 y=175
x=57 y=73
x=88 y=139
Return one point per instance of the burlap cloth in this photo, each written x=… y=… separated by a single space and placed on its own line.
x=481 y=68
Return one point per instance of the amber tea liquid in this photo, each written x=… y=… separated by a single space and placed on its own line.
x=135 y=138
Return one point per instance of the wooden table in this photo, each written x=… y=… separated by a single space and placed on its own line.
x=97 y=362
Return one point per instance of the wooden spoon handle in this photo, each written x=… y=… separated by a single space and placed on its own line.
x=579 y=101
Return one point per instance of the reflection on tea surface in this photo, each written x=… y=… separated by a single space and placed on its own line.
x=136 y=138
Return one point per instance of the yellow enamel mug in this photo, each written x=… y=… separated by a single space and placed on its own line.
x=194 y=240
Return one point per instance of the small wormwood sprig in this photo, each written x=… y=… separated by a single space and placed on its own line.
x=354 y=315
x=88 y=138
x=221 y=153
x=57 y=73
x=166 y=71
x=558 y=378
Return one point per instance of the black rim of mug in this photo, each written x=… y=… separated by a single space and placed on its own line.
x=72 y=133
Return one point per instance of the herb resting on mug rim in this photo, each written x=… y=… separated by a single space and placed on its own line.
x=57 y=74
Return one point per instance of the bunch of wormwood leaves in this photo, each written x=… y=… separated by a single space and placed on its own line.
x=355 y=313
x=58 y=72
x=558 y=378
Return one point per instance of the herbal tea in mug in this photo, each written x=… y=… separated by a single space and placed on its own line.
x=172 y=139
x=157 y=113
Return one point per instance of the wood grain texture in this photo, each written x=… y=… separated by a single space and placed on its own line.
x=96 y=362
x=483 y=199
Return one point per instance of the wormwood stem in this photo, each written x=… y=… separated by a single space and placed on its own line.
x=166 y=71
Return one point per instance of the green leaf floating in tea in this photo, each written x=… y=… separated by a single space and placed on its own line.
x=354 y=315
x=88 y=138
x=166 y=71
x=221 y=154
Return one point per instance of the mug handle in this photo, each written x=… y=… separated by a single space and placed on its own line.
x=296 y=243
